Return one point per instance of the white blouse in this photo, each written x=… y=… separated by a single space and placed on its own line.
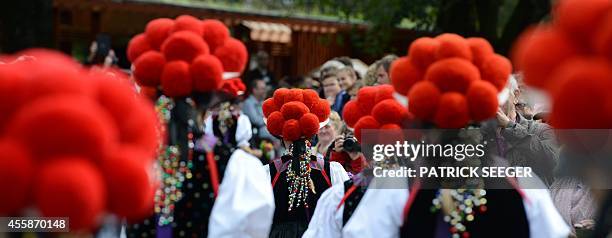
x=327 y=218
x=244 y=131
x=380 y=214
x=245 y=203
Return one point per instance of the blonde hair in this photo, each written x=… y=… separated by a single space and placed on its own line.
x=335 y=121
x=358 y=81
x=350 y=70
x=370 y=77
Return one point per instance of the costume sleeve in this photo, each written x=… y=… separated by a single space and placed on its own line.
x=267 y=169
x=357 y=164
x=338 y=174
x=208 y=130
x=327 y=219
x=245 y=203
x=542 y=215
x=244 y=131
x=379 y=214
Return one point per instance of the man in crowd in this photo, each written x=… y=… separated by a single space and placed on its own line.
x=252 y=108
x=521 y=141
x=261 y=71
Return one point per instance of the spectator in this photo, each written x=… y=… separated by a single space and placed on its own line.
x=370 y=78
x=333 y=92
x=382 y=69
x=525 y=109
x=100 y=53
x=261 y=71
x=327 y=135
x=349 y=81
x=252 y=108
x=348 y=154
x=573 y=199
x=522 y=142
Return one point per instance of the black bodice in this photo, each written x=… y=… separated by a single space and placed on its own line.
x=505 y=216
x=351 y=199
x=294 y=223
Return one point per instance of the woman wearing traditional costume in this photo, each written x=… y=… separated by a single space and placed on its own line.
x=189 y=61
x=298 y=178
x=376 y=106
x=451 y=82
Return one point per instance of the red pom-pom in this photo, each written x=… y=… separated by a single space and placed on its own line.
x=481 y=49
x=268 y=107
x=482 y=100
x=294 y=110
x=452 y=111
x=148 y=68
x=137 y=46
x=423 y=100
x=64 y=125
x=322 y=110
x=48 y=57
x=452 y=75
x=135 y=119
x=538 y=52
x=16 y=174
x=581 y=18
x=176 y=80
x=134 y=116
x=390 y=134
x=239 y=84
x=279 y=96
x=188 y=23
x=149 y=92
x=73 y=188
x=351 y=113
x=603 y=37
x=184 y=45
x=294 y=95
x=366 y=98
x=13 y=92
x=404 y=74
x=140 y=128
x=275 y=123
x=215 y=33
x=54 y=76
x=310 y=97
x=453 y=45
x=234 y=87
x=292 y=130
x=127 y=182
x=496 y=69
x=390 y=127
x=206 y=73
x=309 y=123
x=158 y=30
x=389 y=112
x=383 y=92
x=582 y=95
x=423 y=51
x=367 y=122
x=233 y=54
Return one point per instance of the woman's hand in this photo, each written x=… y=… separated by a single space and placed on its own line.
x=338 y=143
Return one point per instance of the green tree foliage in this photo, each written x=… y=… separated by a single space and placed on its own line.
x=499 y=21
